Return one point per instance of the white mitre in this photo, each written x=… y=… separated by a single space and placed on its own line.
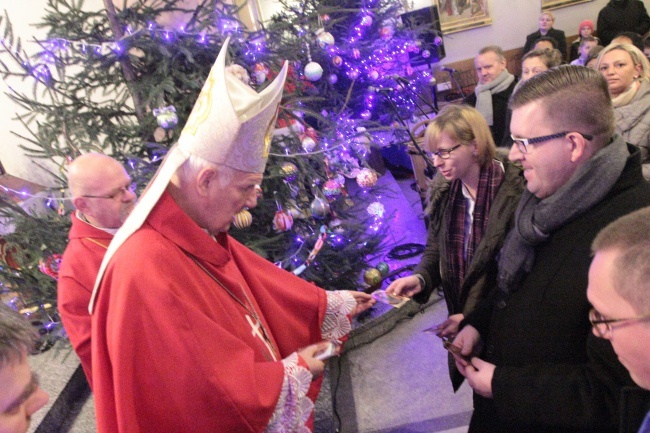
x=230 y=125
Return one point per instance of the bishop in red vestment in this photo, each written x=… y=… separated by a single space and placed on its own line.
x=192 y=331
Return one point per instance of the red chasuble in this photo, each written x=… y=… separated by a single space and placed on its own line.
x=79 y=266
x=173 y=351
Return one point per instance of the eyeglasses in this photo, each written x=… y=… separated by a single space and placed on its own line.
x=444 y=153
x=523 y=143
x=604 y=326
x=118 y=192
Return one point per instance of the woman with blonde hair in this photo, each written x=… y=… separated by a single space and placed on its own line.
x=627 y=72
x=472 y=200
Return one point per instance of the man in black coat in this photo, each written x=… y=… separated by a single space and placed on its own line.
x=622 y=16
x=546 y=21
x=495 y=85
x=540 y=368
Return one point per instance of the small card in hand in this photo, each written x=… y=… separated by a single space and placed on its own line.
x=394 y=300
x=455 y=350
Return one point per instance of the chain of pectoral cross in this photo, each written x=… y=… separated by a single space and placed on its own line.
x=254 y=321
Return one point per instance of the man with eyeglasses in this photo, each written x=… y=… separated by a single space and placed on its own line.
x=619 y=291
x=541 y=369
x=103 y=196
x=20 y=394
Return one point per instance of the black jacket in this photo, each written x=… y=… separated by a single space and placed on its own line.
x=552 y=374
x=558 y=35
x=622 y=16
x=500 y=125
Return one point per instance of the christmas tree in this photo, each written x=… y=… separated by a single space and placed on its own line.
x=123 y=82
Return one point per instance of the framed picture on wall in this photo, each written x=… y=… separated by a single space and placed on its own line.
x=459 y=15
x=555 y=4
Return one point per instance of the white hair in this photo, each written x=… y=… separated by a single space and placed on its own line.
x=194 y=164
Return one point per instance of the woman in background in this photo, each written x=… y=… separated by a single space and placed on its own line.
x=546 y=21
x=627 y=72
x=471 y=204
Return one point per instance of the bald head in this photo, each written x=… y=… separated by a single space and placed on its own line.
x=99 y=186
x=88 y=173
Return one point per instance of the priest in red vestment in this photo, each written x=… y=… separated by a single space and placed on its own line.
x=103 y=198
x=192 y=331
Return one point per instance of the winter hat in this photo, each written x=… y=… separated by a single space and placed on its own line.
x=586 y=23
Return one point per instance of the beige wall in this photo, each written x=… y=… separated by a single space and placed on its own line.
x=512 y=20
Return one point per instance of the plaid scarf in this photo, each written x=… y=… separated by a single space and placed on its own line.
x=489 y=182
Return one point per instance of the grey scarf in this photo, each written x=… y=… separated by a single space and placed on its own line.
x=536 y=220
x=484 y=94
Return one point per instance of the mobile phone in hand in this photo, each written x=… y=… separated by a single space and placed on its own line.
x=326 y=352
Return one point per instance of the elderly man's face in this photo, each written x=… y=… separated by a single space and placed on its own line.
x=630 y=338
x=20 y=396
x=226 y=201
x=488 y=66
x=547 y=165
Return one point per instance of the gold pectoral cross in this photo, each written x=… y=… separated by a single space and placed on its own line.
x=256 y=327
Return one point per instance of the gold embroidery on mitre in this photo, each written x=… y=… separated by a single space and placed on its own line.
x=268 y=137
x=202 y=108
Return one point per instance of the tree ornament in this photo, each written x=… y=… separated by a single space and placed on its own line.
x=8 y=251
x=282 y=221
x=372 y=277
x=337 y=61
x=260 y=73
x=50 y=266
x=242 y=219
x=373 y=75
x=333 y=79
x=426 y=54
x=166 y=117
x=376 y=209
x=383 y=268
x=324 y=38
x=332 y=189
x=308 y=143
x=386 y=32
x=367 y=178
x=289 y=171
x=319 y=207
x=313 y=71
